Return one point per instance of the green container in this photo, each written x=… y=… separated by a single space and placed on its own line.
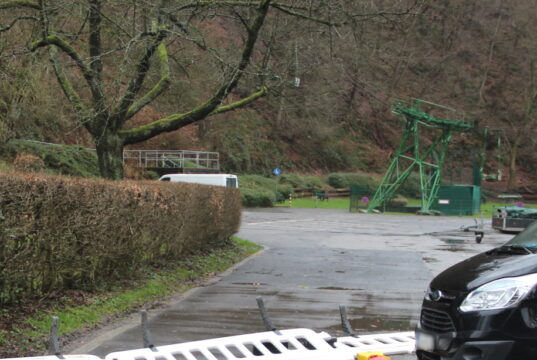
x=459 y=200
x=358 y=196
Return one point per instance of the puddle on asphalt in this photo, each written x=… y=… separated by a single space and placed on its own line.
x=453 y=241
x=379 y=323
x=249 y=283
x=453 y=249
x=337 y=288
x=454 y=245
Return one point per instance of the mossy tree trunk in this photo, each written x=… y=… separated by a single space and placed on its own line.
x=110 y=155
x=512 y=164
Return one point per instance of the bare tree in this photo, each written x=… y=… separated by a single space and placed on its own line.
x=511 y=96
x=105 y=120
x=84 y=38
x=114 y=58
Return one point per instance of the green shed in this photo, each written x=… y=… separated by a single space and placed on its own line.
x=459 y=200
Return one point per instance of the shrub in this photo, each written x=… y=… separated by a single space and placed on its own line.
x=249 y=181
x=314 y=182
x=284 y=191
x=61 y=159
x=412 y=187
x=302 y=182
x=346 y=180
x=257 y=190
x=296 y=181
x=28 y=162
x=257 y=197
x=72 y=233
x=398 y=201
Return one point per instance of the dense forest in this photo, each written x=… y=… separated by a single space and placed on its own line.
x=301 y=85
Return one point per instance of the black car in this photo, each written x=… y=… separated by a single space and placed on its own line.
x=484 y=307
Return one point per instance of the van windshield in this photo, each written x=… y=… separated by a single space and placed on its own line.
x=527 y=238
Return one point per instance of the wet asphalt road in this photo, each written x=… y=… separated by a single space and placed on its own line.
x=377 y=265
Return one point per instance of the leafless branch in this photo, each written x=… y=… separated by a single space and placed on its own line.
x=16 y=20
x=20 y=4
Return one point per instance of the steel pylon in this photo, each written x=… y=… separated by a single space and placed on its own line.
x=412 y=155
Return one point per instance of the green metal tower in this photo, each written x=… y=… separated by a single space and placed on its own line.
x=412 y=155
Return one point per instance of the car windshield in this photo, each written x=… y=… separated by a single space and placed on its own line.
x=527 y=238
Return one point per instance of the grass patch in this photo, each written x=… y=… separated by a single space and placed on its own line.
x=487 y=208
x=27 y=337
x=309 y=203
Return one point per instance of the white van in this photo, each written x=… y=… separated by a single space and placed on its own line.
x=227 y=180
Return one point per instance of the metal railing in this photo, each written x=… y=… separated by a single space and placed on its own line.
x=183 y=159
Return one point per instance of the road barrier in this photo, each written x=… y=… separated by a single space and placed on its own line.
x=289 y=344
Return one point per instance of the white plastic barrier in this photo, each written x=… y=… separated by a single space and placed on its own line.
x=293 y=344
x=392 y=343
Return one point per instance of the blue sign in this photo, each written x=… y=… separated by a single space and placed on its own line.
x=277 y=172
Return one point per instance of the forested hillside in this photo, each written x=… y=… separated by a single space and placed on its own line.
x=331 y=70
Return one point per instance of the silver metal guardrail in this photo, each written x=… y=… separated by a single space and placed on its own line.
x=172 y=159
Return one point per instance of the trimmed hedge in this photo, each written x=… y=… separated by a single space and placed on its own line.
x=72 y=233
x=257 y=190
x=257 y=197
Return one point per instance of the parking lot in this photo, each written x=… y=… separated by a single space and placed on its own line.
x=314 y=260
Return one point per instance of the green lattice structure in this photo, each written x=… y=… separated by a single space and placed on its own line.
x=412 y=155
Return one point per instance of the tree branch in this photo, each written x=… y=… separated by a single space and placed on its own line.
x=124 y=110
x=73 y=54
x=20 y=3
x=160 y=87
x=241 y=103
x=7 y=27
x=95 y=44
x=287 y=11
x=234 y=3
x=176 y=121
x=67 y=87
x=253 y=33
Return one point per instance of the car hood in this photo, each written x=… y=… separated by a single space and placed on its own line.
x=483 y=268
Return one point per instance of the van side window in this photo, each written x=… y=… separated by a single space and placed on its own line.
x=165 y=179
x=231 y=182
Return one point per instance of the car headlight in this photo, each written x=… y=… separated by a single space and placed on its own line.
x=499 y=294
